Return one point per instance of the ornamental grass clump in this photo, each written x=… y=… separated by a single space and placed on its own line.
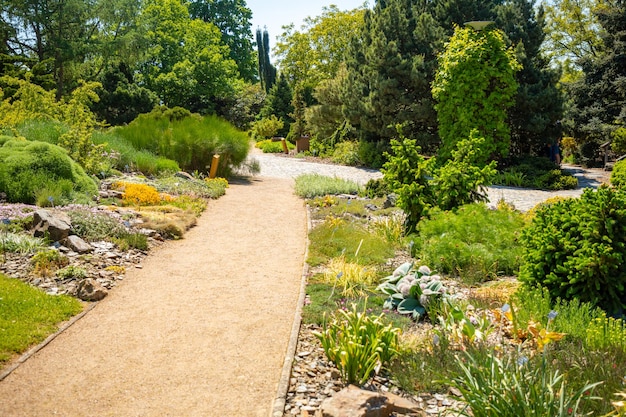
x=350 y=278
x=515 y=386
x=358 y=344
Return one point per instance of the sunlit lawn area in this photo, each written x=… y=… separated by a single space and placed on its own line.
x=28 y=315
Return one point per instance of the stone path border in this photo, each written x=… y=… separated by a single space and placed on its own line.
x=283 y=385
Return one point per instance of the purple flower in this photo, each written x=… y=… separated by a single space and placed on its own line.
x=6 y=221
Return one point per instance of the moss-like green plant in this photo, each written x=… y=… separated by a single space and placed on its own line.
x=29 y=167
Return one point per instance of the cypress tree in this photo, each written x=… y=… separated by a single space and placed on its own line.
x=267 y=72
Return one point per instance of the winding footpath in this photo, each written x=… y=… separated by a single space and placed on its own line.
x=205 y=327
x=201 y=330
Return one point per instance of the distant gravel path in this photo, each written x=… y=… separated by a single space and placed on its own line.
x=523 y=199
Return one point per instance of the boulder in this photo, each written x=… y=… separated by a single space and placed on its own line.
x=77 y=244
x=355 y=402
x=55 y=224
x=91 y=290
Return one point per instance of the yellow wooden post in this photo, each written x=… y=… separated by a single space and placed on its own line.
x=214 y=164
x=285 y=148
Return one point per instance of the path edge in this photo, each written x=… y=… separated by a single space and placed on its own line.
x=32 y=351
x=280 y=400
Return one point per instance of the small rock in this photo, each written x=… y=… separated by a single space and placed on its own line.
x=77 y=244
x=91 y=290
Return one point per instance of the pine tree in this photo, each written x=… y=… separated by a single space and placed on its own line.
x=600 y=96
x=390 y=67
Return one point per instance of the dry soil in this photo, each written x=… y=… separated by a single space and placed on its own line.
x=201 y=330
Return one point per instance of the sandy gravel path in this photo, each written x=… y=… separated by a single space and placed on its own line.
x=201 y=330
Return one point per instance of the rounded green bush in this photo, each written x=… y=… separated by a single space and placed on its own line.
x=473 y=242
x=27 y=167
x=576 y=248
x=618 y=175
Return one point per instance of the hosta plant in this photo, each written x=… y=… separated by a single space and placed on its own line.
x=412 y=290
x=358 y=344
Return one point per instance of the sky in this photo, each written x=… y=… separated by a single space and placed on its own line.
x=274 y=14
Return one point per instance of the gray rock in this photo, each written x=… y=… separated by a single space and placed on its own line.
x=390 y=201
x=55 y=224
x=91 y=290
x=77 y=244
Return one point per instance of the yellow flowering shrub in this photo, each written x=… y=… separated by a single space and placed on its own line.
x=138 y=194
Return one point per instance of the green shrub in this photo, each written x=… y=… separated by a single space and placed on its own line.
x=407 y=174
x=270 y=146
x=346 y=153
x=462 y=179
x=358 y=344
x=376 y=188
x=576 y=248
x=315 y=185
x=372 y=154
x=267 y=127
x=28 y=167
x=618 y=175
x=537 y=172
x=474 y=242
x=190 y=140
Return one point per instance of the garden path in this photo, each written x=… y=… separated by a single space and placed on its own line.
x=201 y=330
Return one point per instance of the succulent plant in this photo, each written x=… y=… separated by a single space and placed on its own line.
x=411 y=290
